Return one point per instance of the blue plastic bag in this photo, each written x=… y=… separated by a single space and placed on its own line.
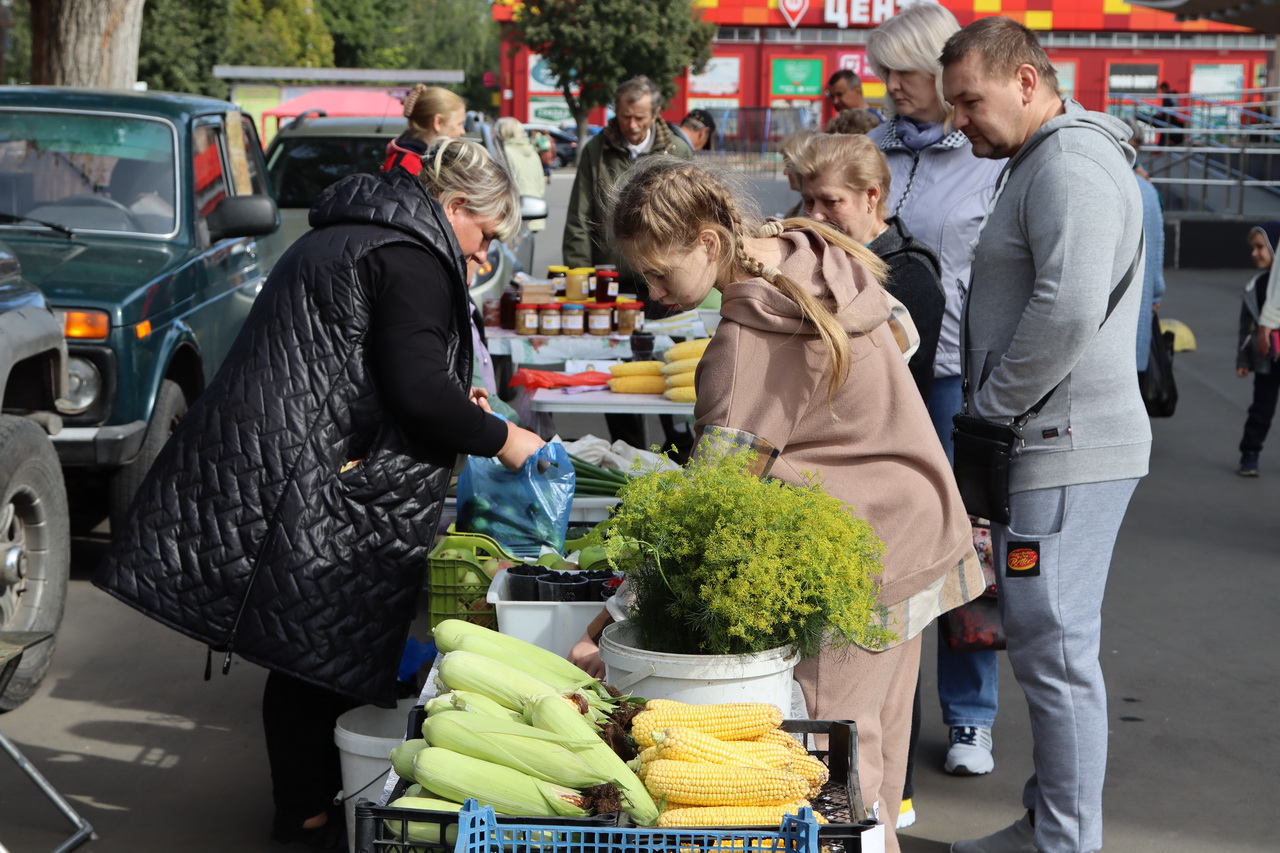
x=524 y=509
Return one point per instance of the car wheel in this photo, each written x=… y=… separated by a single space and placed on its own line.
x=35 y=547
x=171 y=405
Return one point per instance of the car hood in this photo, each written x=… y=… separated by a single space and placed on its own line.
x=89 y=271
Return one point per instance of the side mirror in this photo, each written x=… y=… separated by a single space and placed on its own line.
x=532 y=207
x=243 y=216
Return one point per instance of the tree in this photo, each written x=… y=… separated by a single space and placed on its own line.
x=367 y=33
x=594 y=45
x=181 y=42
x=454 y=34
x=286 y=33
x=74 y=43
x=16 y=67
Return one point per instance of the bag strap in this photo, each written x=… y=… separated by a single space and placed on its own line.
x=1117 y=293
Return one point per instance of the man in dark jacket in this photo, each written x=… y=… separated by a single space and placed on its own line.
x=636 y=130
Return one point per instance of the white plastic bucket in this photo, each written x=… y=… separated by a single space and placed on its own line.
x=697 y=679
x=365 y=737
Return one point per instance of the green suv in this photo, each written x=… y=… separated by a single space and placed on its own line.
x=146 y=219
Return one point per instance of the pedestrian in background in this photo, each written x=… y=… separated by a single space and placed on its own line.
x=431 y=112
x=523 y=161
x=844 y=90
x=1153 y=270
x=941 y=192
x=289 y=516
x=853 y=121
x=1049 y=324
x=699 y=129
x=1264 y=239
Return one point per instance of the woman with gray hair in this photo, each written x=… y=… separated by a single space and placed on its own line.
x=940 y=190
x=523 y=161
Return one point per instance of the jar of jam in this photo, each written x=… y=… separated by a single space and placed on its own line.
x=630 y=317
x=606 y=285
x=573 y=318
x=599 y=318
x=577 y=284
x=507 y=307
x=549 y=319
x=557 y=275
x=526 y=319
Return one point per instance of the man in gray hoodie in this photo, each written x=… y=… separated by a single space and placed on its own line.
x=1062 y=235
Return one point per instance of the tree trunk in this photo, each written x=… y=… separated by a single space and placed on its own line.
x=90 y=44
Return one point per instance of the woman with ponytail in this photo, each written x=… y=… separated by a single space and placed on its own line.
x=431 y=112
x=810 y=360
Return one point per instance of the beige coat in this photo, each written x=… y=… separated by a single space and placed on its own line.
x=526 y=168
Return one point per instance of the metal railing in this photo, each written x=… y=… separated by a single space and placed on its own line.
x=1213 y=154
x=747 y=138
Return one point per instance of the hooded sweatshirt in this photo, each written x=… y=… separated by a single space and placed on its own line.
x=1063 y=231
x=766 y=372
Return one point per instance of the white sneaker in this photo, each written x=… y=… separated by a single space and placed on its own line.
x=1019 y=837
x=970 y=752
x=906 y=814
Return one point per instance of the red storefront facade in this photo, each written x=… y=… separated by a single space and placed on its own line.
x=780 y=52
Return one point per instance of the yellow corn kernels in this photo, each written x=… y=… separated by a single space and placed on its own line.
x=780 y=738
x=687 y=349
x=681 y=743
x=637 y=368
x=684 y=365
x=645 y=384
x=725 y=720
x=681 y=380
x=732 y=815
x=684 y=394
x=701 y=784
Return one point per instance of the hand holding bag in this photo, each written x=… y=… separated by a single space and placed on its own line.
x=1159 y=391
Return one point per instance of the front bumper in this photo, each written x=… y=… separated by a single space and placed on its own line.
x=112 y=445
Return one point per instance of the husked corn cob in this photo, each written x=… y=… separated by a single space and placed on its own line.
x=684 y=365
x=768 y=754
x=732 y=815
x=780 y=738
x=681 y=743
x=648 y=384
x=454 y=776
x=687 y=349
x=812 y=771
x=701 y=784
x=637 y=368
x=683 y=394
x=681 y=380
x=724 y=720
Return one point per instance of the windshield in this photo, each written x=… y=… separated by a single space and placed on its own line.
x=87 y=171
x=302 y=166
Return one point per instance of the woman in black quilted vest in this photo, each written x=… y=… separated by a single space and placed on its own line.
x=289 y=517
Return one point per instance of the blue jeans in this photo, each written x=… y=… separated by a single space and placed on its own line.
x=968 y=682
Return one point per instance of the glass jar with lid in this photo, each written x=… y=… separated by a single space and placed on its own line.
x=527 y=318
x=556 y=273
x=630 y=317
x=577 y=284
x=549 y=319
x=573 y=318
x=606 y=285
x=599 y=318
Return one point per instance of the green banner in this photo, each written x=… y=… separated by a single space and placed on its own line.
x=796 y=77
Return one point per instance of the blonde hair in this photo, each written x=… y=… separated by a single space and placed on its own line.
x=454 y=168
x=793 y=144
x=424 y=103
x=661 y=207
x=510 y=128
x=912 y=40
x=853 y=158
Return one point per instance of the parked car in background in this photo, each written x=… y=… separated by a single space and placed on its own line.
x=146 y=220
x=566 y=143
x=314 y=150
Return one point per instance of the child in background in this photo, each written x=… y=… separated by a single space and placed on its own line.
x=1263 y=240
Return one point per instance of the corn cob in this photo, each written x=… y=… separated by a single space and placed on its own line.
x=402 y=757
x=726 y=720
x=637 y=368
x=812 y=771
x=681 y=743
x=506 y=685
x=637 y=385
x=469 y=700
x=554 y=714
x=454 y=776
x=683 y=394
x=700 y=784
x=547 y=665
x=781 y=738
x=684 y=365
x=419 y=831
x=681 y=380
x=768 y=754
x=732 y=815
x=542 y=755
x=687 y=349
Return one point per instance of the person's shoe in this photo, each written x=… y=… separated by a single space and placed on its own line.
x=331 y=837
x=1248 y=465
x=970 y=752
x=906 y=814
x=1020 y=837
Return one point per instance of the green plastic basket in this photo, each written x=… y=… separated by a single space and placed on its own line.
x=456 y=585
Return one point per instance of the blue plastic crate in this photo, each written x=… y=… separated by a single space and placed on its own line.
x=480 y=832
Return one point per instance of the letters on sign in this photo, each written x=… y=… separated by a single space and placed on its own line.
x=842 y=13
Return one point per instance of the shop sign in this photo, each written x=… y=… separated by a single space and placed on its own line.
x=860 y=13
x=793 y=10
x=856 y=61
x=541 y=79
x=722 y=76
x=796 y=78
x=550 y=110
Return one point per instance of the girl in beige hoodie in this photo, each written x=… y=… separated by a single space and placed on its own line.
x=810 y=358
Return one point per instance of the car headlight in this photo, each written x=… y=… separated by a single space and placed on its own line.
x=84 y=385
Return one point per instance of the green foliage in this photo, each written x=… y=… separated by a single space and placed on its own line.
x=16 y=67
x=181 y=42
x=368 y=33
x=601 y=43
x=723 y=562
x=287 y=33
x=454 y=34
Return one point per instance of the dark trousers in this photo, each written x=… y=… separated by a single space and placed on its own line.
x=1266 y=389
x=909 y=788
x=298 y=720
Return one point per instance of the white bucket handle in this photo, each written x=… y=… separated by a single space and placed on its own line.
x=634 y=678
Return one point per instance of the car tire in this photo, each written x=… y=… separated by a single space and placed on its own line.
x=171 y=405
x=35 y=548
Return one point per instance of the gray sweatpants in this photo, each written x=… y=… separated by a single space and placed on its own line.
x=1052 y=561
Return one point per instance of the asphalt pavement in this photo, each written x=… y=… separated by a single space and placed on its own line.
x=158 y=759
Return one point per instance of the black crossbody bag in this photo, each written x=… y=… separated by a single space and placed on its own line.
x=984 y=450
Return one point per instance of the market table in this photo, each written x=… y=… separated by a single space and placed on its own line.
x=606 y=402
x=12 y=646
x=557 y=349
